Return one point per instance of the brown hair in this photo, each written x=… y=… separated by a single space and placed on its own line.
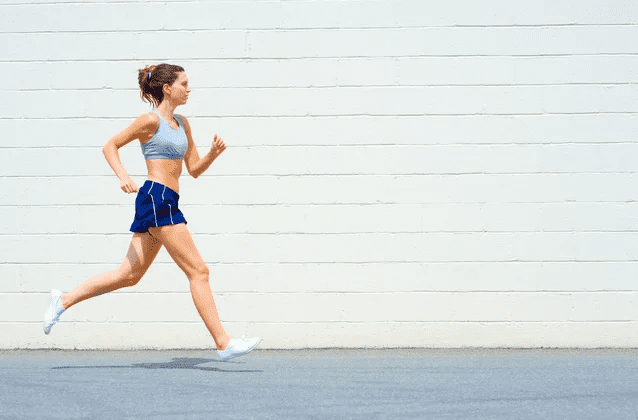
x=152 y=80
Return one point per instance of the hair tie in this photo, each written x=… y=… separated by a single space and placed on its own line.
x=149 y=74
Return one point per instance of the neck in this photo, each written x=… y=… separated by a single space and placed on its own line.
x=167 y=110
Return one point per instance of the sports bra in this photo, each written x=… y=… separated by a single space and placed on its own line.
x=167 y=142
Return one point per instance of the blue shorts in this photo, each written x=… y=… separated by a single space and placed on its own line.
x=156 y=205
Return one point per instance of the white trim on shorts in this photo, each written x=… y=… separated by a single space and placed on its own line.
x=170 y=209
x=152 y=199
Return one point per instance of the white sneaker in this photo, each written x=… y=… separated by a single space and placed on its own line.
x=52 y=315
x=238 y=347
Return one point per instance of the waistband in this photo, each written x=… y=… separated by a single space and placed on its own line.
x=155 y=188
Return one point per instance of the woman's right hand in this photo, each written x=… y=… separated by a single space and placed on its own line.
x=128 y=186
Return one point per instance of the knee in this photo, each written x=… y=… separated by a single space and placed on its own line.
x=130 y=278
x=200 y=273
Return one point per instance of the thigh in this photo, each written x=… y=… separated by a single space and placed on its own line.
x=141 y=253
x=179 y=243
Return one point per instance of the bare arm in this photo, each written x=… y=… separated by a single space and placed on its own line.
x=143 y=125
x=194 y=165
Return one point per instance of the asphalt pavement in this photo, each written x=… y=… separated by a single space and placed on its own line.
x=321 y=384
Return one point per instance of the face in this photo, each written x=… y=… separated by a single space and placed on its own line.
x=179 y=89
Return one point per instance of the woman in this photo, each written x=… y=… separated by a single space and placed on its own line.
x=166 y=142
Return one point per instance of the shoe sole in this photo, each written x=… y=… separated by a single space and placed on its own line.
x=243 y=353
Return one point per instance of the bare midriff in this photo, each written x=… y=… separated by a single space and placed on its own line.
x=165 y=171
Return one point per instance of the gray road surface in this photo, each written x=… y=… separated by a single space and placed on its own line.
x=397 y=384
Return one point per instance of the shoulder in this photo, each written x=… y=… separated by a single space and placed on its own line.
x=147 y=122
x=150 y=118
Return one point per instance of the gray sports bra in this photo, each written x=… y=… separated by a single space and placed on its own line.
x=167 y=142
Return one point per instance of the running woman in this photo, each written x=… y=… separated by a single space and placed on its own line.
x=166 y=142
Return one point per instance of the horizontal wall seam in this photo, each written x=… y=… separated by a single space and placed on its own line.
x=336 y=86
x=350 y=115
x=98 y=149
x=366 y=145
x=352 y=262
x=342 y=204
x=372 y=293
x=481 y=232
x=249 y=58
x=317 y=28
x=255 y=323
x=326 y=263
x=344 y=175
x=328 y=58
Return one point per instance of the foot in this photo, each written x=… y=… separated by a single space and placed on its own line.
x=238 y=347
x=54 y=310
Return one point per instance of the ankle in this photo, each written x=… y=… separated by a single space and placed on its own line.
x=64 y=300
x=223 y=342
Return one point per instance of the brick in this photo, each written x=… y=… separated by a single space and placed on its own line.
x=340 y=160
x=209 y=73
x=336 y=218
x=132 y=336
x=383 y=42
x=140 y=46
x=243 y=277
x=120 y=15
x=450 y=100
x=454 y=41
x=354 y=248
x=85 y=17
x=331 y=307
x=340 y=130
x=281 y=190
x=536 y=70
x=330 y=72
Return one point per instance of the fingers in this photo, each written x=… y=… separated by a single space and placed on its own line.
x=218 y=144
x=129 y=187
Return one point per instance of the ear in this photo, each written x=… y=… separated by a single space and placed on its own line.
x=166 y=89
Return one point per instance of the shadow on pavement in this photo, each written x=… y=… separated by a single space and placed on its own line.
x=176 y=363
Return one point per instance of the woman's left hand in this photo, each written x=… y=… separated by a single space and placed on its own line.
x=218 y=146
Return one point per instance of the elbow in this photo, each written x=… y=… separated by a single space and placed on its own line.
x=192 y=171
x=109 y=150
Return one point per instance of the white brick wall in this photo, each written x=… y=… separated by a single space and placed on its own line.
x=399 y=173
